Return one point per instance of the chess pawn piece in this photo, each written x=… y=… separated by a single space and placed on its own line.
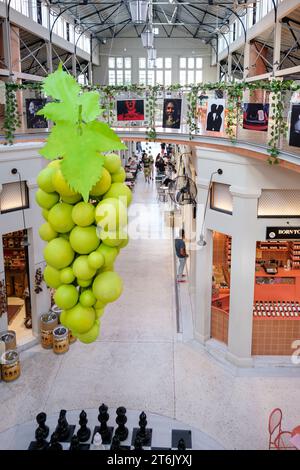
x=138 y=444
x=75 y=443
x=84 y=432
x=115 y=444
x=103 y=417
x=97 y=442
x=142 y=433
x=41 y=420
x=41 y=443
x=62 y=428
x=54 y=444
x=121 y=419
x=181 y=444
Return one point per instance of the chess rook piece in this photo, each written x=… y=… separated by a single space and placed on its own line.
x=181 y=445
x=41 y=443
x=84 y=432
x=121 y=419
x=54 y=444
x=142 y=433
x=103 y=417
x=138 y=444
x=62 y=428
x=115 y=444
x=41 y=420
x=75 y=443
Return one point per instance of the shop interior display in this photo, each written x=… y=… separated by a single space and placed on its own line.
x=16 y=274
x=80 y=436
x=84 y=203
x=276 y=309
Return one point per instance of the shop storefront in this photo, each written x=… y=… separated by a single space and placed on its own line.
x=249 y=298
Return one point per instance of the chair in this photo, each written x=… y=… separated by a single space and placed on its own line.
x=283 y=441
x=275 y=419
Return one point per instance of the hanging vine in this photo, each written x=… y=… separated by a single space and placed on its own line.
x=234 y=92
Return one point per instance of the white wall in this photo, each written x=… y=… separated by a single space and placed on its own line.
x=165 y=48
x=28 y=162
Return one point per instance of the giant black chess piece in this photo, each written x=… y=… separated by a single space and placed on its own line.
x=181 y=444
x=54 y=444
x=143 y=433
x=115 y=444
x=83 y=432
x=41 y=443
x=121 y=432
x=75 y=443
x=104 y=430
x=62 y=428
x=41 y=420
x=138 y=443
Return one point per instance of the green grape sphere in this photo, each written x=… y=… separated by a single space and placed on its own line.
x=67 y=276
x=107 y=286
x=91 y=335
x=44 y=179
x=60 y=217
x=109 y=253
x=111 y=239
x=119 y=191
x=99 y=312
x=87 y=298
x=82 y=270
x=58 y=253
x=61 y=185
x=95 y=259
x=102 y=185
x=112 y=162
x=111 y=214
x=45 y=213
x=84 y=240
x=46 y=200
x=84 y=283
x=71 y=199
x=83 y=214
x=80 y=318
x=52 y=277
x=66 y=296
x=119 y=177
x=47 y=232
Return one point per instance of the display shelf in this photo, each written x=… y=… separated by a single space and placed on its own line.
x=294 y=253
x=228 y=251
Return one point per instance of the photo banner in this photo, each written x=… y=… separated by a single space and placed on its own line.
x=294 y=139
x=215 y=115
x=172 y=113
x=32 y=107
x=130 y=110
x=256 y=116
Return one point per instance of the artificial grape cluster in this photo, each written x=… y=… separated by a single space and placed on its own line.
x=84 y=239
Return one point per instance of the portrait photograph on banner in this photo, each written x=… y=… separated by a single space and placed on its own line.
x=215 y=115
x=172 y=113
x=294 y=139
x=33 y=105
x=130 y=110
x=256 y=116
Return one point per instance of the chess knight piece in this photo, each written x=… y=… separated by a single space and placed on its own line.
x=84 y=432
x=121 y=432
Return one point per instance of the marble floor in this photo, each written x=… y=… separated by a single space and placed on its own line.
x=140 y=363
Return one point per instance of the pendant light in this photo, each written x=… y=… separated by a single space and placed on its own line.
x=138 y=11
x=152 y=53
x=147 y=39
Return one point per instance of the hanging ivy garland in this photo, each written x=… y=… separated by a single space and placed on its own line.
x=234 y=92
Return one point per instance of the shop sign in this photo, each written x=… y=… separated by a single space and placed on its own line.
x=283 y=233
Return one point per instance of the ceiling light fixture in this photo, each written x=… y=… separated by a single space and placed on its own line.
x=147 y=39
x=138 y=11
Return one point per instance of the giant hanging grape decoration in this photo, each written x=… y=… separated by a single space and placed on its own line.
x=84 y=203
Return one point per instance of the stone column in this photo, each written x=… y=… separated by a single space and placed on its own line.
x=203 y=277
x=3 y=318
x=242 y=276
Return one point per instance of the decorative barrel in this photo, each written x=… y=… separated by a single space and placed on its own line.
x=10 y=366
x=55 y=309
x=60 y=340
x=72 y=338
x=48 y=322
x=9 y=339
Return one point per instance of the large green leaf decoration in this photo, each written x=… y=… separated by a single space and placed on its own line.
x=77 y=136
